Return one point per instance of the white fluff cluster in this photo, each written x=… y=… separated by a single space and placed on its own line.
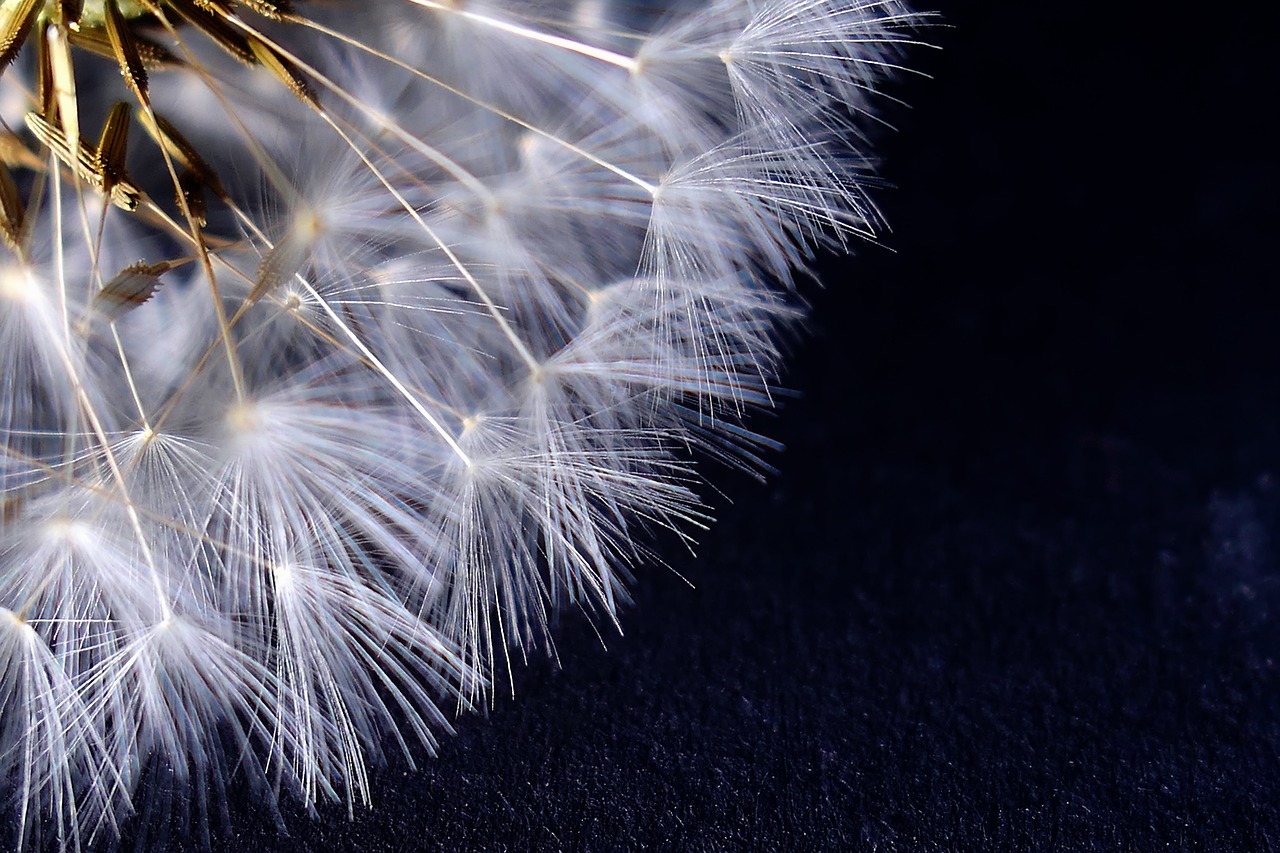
x=468 y=294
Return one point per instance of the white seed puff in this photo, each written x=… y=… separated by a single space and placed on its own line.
x=340 y=350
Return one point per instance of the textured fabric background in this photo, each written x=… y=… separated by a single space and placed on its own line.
x=1016 y=585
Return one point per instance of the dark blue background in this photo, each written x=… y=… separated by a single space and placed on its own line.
x=1016 y=585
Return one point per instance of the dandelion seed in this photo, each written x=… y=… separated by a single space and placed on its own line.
x=390 y=336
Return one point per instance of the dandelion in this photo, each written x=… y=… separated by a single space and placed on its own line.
x=342 y=347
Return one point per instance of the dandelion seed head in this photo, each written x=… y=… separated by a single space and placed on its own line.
x=342 y=351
